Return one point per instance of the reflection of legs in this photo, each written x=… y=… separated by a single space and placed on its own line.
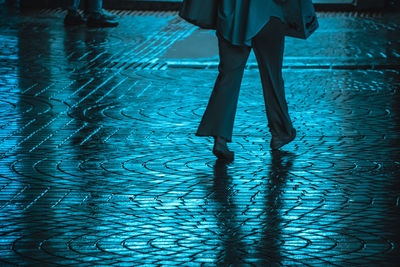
x=268 y=47
x=219 y=116
x=233 y=248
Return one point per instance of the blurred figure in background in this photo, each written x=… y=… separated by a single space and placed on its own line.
x=95 y=15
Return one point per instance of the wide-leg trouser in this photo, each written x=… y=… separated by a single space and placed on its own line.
x=94 y=6
x=268 y=46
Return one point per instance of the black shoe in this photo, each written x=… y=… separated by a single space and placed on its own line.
x=73 y=18
x=278 y=142
x=221 y=150
x=100 y=20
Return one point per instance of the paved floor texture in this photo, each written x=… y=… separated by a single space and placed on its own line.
x=100 y=166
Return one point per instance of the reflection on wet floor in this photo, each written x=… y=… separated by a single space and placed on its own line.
x=100 y=166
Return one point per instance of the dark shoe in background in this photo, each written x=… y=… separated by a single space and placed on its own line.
x=279 y=141
x=73 y=18
x=101 y=20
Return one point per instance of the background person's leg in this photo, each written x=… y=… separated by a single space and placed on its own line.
x=73 y=16
x=97 y=17
x=219 y=116
x=72 y=5
x=94 y=6
x=268 y=47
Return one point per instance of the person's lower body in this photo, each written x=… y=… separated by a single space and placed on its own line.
x=269 y=59
x=218 y=119
x=95 y=15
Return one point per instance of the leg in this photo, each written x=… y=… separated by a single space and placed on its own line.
x=219 y=116
x=94 y=6
x=73 y=16
x=268 y=47
x=97 y=17
x=72 y=5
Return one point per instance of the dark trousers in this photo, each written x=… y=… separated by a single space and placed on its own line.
x=268 y=47
x=94 y=6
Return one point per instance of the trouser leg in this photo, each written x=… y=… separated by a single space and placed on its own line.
x=219 y=116
x=268 y=47
x=73 y=5
x=95 y=6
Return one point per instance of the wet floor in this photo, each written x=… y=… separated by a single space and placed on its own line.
x=100 y=165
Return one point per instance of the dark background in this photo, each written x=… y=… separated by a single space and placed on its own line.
x=174 y=4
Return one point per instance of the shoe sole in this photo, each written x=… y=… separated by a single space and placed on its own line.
x=102 y=25
x=75 y=23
